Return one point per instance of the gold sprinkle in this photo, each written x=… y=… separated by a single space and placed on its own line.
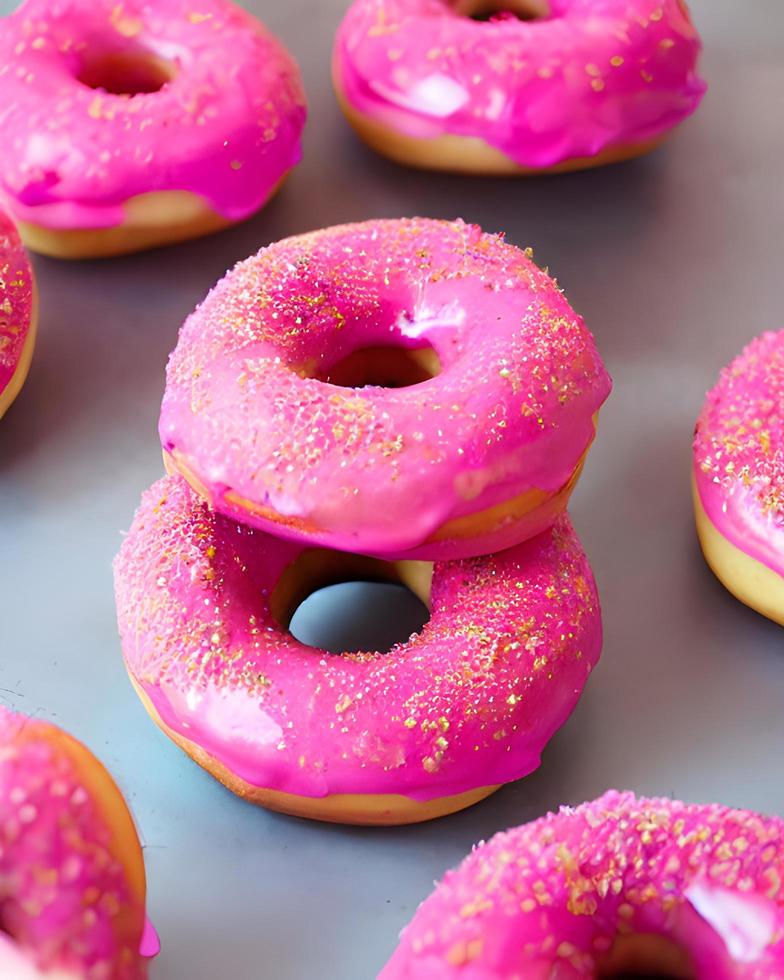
x=464 y=952
x=129 y=27
x=343 y=703
x=772 y=879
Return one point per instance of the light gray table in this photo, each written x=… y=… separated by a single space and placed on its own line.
x=675 y=261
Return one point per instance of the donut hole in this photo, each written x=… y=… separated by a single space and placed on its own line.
x=346 y=603
x=489 y=10
x=383 y=367
x=646 y=957
x=128 y=73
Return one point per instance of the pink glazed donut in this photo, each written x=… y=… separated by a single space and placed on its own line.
x=616 y=887
x=302 y=396
x=376 y=738
x=545 y=85
x=72 y=882
x=128 y=125
x=739 y=476
x=18 y=313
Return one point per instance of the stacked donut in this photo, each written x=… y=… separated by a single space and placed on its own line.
x=404 y=400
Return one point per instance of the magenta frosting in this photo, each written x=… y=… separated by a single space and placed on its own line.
x=17 y=963
x=468 y=702
x=65 y=903
x=592 y=74
x=226 y=127
x=549 y=899
x=16 y=299
x=739 y=452
x=380 y=470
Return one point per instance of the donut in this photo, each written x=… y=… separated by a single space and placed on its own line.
x=72 y=881
x=738 y=483
x=410 y=389
x=517 y=87
x=131 y=125
x=18 y=313
x=432 y=726
x=617 y=887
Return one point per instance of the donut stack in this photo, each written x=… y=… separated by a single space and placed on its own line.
x=404 y=401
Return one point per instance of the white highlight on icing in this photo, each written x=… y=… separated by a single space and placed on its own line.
x=437 y=95
x=150 y=945
x=746 y=924
x=15 y=964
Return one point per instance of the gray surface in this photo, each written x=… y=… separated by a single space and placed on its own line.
x=674 y=260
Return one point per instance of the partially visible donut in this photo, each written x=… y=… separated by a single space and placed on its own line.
x=618 y=887
x=18 y=313
x=131 y=125
x=739 y=476
x=538 y=86
x=72 y=881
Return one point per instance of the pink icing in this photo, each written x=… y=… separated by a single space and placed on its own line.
x=469 y=702
x=16 y=299
x=592 y=74
x=379 y=470
x=17 y=964
x=226 y=127
x=150 y=945
x=739 y=452
x=65 y=902
x=548 y=899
